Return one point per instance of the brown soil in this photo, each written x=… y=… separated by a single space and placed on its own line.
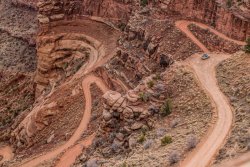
x=234 y=80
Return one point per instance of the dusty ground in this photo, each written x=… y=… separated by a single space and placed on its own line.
x=212 y=41
x=190 y=118
x=234 y=80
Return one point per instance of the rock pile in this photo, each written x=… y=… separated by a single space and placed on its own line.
x=124 y=107
x=57 y=10
x=127 y=115
x=136 y=106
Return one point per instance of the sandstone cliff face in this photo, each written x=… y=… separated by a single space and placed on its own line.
x=61 y=53
x=68 y=47
x=59 y=10
x=230 y=22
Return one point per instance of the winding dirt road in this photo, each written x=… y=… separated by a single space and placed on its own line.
x=70 y=156
x=183 y=26
x=100 y=54
x=206 y=74
x=208 y=148
x=86 y=83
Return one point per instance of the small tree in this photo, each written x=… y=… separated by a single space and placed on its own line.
x=144 y=2
x=166 y=108
x=144 y=96
x=229 y=3
x=247 y=47
x=166 y=140
x=173 y=158
x=150 y=84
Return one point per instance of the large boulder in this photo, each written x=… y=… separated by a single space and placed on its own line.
x=111 y=97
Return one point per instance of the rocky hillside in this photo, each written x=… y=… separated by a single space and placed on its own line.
x=157 y=119
x=234 y=80
x=18 y=28
x=103 y=82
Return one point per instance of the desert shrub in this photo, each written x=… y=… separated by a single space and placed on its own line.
x=122 y=26
x=144 y=2
x=161 y=132
x=92 y=163
x=247 y=47
x=157 y=77
x=150 y=84
x=148 y=144
x=191 y=142
x=174 y=123
x=115 y=147
x=124 y=164
x=229 y=3
x=144 y=129
x=173 y=158
x=141 y=138
x=166 y=140
x=65 y=65
x=166 y=108
x=144 y=96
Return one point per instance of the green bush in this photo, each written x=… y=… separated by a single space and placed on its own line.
x=122 y=26
x=247 y=47
x=229 y=3
x=144 y=2
x=166 y=108
x=142 y=138
x=166 y=140
x=124 y=164
x=144 y=97
x=150 y=84
x=157 y=77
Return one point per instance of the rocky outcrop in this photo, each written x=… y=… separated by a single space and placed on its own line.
x=136 y=106
x=55 y=10
x=67 y=50
x=233 y=23
x=61 y=56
